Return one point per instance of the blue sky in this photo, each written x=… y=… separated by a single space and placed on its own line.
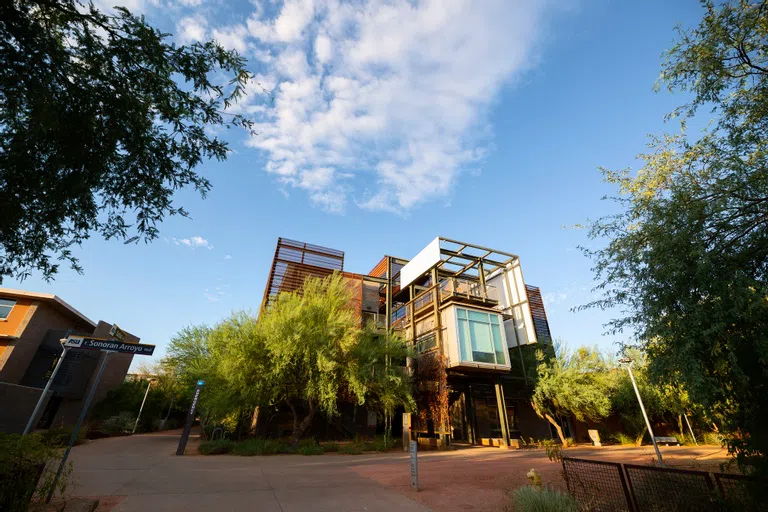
x=393 y=123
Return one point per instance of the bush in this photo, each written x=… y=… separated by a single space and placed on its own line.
x=121 y=424
x=330 y=447
x=624 y=439
x=217 y=447
x=712 y=438
x=251 y=447
x=351 y=449
x=27 y=463
x=383 y=445
x=59 y=437
x=542 y=499
x=313 y=449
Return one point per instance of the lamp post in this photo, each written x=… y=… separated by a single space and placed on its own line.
x=135 y=425
x=628 y=363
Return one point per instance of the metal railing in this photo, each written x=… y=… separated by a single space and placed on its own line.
x=455 y=287
x=374 y=320
x=611 y=487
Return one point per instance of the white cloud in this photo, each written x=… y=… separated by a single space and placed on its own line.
x=191 y=28
x=216 y=294
x=194 y=242
x=232 y=38
x=190 y=3
x=227 y=256
x=383 y=103
x=550 y=299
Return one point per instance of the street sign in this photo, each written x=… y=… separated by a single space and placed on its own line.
x=109 y=345
x=117 y=333
x=414 y=466
x=190 y=419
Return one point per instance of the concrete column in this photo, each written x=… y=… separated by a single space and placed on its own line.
x=502 y=413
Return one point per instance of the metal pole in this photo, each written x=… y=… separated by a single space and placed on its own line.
x=690 y=429
x=75 y=431
x=141 y=408
x=47 y=387
x=642 y=408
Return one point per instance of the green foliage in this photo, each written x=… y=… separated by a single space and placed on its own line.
x=572 y=384
x=218 y=447
x=687 y=256
x=712 y=438
x=554 y=451
x=126 y=399
x=350 y=449
x=119 y=424
x=251 y=447
x=103 y=119
x=624 y=439
x=59 y=437
x=542 y=499
x=310 y=449
x=25 y=462
x=331 y=447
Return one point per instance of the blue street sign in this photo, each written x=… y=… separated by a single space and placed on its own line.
x=200 y=382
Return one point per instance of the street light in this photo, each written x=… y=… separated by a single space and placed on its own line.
x=628 y=363
x=142 y=406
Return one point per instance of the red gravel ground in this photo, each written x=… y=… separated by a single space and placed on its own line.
x=478 y=479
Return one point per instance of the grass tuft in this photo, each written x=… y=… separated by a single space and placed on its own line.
x=541 y=499
x=217 y=447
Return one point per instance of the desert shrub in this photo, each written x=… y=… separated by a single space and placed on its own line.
x=59 y=437
x=310 y=449
x=553 y=449
x=541 y=499
x=712 y=438
x=119 y=424
x=251 y=447
x=624 y=439
x=383 y=445
x=217 y=447
x=351 y=449
x=331 y=447
x=27 y=463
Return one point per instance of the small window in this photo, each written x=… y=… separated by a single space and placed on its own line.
x=6 y=305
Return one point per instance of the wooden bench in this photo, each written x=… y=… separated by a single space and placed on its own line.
x=669 y=441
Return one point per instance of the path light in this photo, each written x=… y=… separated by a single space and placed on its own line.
x=626 y=361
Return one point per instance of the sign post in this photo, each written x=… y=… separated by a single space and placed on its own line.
x=40 y=401
x=406 y=431
x=414 y=466
x=190 y=419
x=107 y=346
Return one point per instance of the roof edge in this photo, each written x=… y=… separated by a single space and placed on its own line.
x=49 y=297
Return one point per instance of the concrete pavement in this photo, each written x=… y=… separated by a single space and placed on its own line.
x=142 y=473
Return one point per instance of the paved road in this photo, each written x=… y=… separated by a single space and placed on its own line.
x=142 y=473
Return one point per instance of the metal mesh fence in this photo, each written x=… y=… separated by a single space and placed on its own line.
x=597 y=486
x=666 y=489
x=741 y=492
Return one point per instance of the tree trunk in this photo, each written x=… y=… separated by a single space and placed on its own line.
x=639 y=440
x=558 y=428
x=306 y=422
x=295 y=416
x=680 y=425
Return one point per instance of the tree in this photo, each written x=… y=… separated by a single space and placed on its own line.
x=571 y=385
x=102 y=119
x=687 y=256
x=318 y=355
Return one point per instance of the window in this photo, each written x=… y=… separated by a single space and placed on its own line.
x=480 y=339
x=6 y=305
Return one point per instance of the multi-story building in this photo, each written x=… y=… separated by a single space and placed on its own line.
x=31 y=327
x=473 y=322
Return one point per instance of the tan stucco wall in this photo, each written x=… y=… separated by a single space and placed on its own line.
x=39 y=317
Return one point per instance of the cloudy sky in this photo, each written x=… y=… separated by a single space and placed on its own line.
x=389 y=123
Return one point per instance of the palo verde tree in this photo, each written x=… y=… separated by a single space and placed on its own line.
x=686 y=258
x=571 y=384
x=102 y=119
x=318 y=355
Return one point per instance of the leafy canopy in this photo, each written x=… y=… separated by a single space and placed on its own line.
x=687 y=255
x=102 y=119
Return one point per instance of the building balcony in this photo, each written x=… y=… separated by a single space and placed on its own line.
x=454 y=288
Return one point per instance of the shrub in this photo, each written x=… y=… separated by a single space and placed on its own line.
x=624 y=439
x=251 y=447
x=330 y=447
x=350 y=449
x=714 y=438
x=554 y=450
x=59 y=437
x=310 y=449
x=543 y=499
x=215 y=447
x=120 y=424
x=383 y=445
x=26 y=464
